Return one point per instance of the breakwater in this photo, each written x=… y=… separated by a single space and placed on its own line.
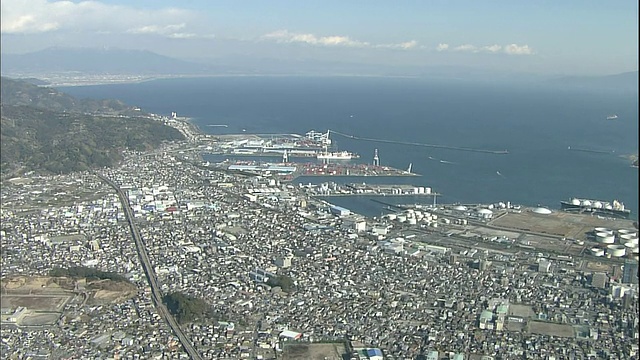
x=458 y=148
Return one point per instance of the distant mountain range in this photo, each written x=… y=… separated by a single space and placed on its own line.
x=627 y=81
x=97 y=61
x=76 y=63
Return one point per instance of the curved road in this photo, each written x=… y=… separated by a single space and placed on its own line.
x=156 y=293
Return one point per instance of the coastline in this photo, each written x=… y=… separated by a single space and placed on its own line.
x=107 y=79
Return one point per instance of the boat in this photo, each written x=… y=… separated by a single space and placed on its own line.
x=612 y=117
x=598 y=207
x=340 y=155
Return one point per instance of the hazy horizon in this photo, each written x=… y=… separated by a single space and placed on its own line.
x=542 y=38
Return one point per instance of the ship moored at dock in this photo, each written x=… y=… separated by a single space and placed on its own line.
x=615 y=208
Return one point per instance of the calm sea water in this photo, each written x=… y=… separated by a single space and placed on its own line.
x=535 y=124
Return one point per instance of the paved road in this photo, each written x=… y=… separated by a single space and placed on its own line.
x=156 y=293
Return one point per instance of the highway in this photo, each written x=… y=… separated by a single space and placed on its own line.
x=156 y=293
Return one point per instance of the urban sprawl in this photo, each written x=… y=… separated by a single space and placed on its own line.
x=459 y=281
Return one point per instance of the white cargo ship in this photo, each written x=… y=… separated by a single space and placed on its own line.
x=615 y=208
x=340 y=155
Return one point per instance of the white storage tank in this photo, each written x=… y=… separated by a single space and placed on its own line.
x=412 y=221
x=586 y=203
x=427 y=190
x=597 y=205
x=575 y=201
x=616 y=250
x=421 y=189
x=434 y=224
x=402 y=218
x=392 y=216
x=605 y=238
x=603 y=229
x=628 y=238
x=631 y=247
x=597 y=252
x=627 y=232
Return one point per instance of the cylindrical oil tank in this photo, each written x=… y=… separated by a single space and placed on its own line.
x=628 y=238
x=627 y=232
x=605 y=238
x=597 y=252
x=603 y=229
x=412 y=221
x=427 y=190
x=616 y=250
x=597 y=205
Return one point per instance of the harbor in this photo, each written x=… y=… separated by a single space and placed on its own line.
x=364 y=189
x=288 y=171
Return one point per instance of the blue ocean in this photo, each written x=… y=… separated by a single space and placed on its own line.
x=546 y=131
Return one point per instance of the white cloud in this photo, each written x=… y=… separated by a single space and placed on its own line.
x=404 y=45
x=284 y=36
x=157 y=29
x=492 y=48
x=466 y=47
x=38 y=16
x=512 y=49
x=442 y=47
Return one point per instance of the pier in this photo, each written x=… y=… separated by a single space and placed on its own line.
x=447 y=147
x=590 y=150
x=374 y=190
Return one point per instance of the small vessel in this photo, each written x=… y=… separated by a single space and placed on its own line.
x=339 y=155
x=612 y=117
x=615 y=208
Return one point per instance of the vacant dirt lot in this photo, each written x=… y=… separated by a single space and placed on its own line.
x=314 y=352
x=35 y=302
x=543 y=328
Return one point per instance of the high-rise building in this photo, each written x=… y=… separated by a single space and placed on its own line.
x=630 y=272
x=599 y=280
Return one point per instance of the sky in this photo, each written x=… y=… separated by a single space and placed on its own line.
x=572 y=37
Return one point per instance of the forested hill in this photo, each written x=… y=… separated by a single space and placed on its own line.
x=68 y=136
x=24 y=93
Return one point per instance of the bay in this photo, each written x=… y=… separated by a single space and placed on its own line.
x=536 y=124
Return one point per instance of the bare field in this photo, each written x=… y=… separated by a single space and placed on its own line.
x=523 y=311
x=333 y=351
x=35 y=302
x=40 y=319
x=597 y=266
x=559 y=223
x=543 y=328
